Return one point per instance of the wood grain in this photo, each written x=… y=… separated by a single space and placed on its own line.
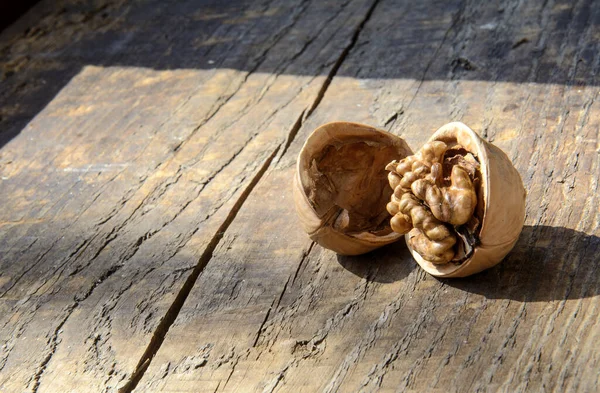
x=147 y=197
x=140 y=171
x=319 y=322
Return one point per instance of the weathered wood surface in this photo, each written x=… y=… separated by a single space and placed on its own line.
x=151 y=197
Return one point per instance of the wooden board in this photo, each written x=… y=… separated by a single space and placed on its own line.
x=150 y=198
x=314 y=321
x=134 y=175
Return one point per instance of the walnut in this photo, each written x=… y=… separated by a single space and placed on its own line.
x=459 y=201
x=341 y=188
x=429 y=235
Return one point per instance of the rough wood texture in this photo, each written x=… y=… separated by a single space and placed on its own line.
x=149 y=150
x=137 y=174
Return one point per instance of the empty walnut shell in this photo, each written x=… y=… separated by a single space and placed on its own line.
x=341 y=187
x=496 y=213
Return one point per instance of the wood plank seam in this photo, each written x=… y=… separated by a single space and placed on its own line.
x=457 y=321
x=342 y=57
x=168 y=319
x=505 y=330
x=456 y=19
x=163 y=327
x=110 y=237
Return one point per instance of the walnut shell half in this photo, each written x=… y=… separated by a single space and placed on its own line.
x=341 y=188
x=460 y=202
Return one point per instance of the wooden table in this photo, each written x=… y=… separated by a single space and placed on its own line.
x=148 y=240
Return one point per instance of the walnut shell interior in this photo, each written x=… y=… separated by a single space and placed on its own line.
x=341 y=188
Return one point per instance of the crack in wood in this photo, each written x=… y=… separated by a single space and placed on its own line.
x=570 y=269
x=456 y=19
x=171 y=314
x=264 y=321
x=338 y=63
x=53 y=344
x=293 y=132
x=233 y=366
x=302 y=260
x=58 y=330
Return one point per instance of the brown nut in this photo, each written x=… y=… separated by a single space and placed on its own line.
x=459 y=201
x=341 y=188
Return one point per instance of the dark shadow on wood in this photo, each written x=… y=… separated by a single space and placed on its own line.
x=385 y=265
x=10 y=11
x=547 y=263
x=39 y=56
